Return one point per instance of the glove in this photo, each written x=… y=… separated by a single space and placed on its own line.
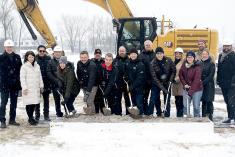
x=165 y=91
x=59 y=84
x=65 y=101
x=86 y=95
x=187 y=87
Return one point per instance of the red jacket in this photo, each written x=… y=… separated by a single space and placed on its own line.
x=192 y=77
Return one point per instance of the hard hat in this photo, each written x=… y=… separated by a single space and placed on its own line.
x=9 y=43
x=49 y=51
x=227 y=42
x=179 y=49
x=57 y=48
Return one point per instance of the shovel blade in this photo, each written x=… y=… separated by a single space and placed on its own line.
x=133 y=110
x=88 y=110
x=106 y=111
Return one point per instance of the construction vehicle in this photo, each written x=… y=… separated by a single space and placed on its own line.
x=131 y=31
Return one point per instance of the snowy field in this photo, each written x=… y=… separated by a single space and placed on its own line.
x=117 y=136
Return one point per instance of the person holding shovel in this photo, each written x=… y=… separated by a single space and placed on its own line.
x=135 y=77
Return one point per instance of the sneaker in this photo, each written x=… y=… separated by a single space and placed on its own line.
x=3 y=125
x=227 y=121
x=14 y=123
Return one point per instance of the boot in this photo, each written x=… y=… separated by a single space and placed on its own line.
x=227 y=121
x=47 y=118
x=3 y=125
x=32 y=121
x=13 y=122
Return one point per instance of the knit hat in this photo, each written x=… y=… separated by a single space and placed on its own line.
x=191 y=53
x=97 y=51
x=133 y=50
x=159 y=49
x=63 y=59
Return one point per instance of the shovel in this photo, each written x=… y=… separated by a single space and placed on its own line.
x=63 y=104
x=106 y=109
x=132 y=109
x=167 y=96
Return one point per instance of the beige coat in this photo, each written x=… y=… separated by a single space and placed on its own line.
x=177 y=87
x=31 y=79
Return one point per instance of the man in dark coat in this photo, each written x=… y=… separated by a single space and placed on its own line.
x=54 y=81
x=86 y=74
x=146 y=56
x=120 y=62
x=208 y=72
x=42 y=59
x=10 y=64
x=226 y=78
x=163 y=72
x=98 y=60
x=135 y=74
x=108 y=75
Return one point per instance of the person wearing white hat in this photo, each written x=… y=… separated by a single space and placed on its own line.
x=10 y=64
x=177 y=87
x=53 y=78
x=226 y=78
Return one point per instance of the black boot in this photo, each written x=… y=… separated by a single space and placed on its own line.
x=37 y=112
x=13 y=122
x=47 y=118
x=32 y=121
x=227 y=121
x=3 y=125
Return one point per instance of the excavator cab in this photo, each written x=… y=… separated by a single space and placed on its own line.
x=132 y=32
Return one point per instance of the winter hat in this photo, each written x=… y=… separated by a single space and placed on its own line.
x=133 y=50
x=63 y=59
x=191 y=53
x=97 y=51
x=159 y=49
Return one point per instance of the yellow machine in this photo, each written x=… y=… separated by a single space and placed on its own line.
x=132 y=31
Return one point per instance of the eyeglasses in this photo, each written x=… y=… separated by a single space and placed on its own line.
x=42 y=51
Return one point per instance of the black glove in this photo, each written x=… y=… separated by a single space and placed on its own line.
x=165 y=91
x=59 y=84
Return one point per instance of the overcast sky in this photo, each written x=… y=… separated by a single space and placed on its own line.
x=216 y=14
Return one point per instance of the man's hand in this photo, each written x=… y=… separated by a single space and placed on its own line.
x=187 y=86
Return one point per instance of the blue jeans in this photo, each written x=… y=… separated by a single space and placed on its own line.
x=155 y=101
x=137 y=99
x=196 y=98
x=13 y=104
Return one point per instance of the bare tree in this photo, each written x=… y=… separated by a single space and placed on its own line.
x=6 y=18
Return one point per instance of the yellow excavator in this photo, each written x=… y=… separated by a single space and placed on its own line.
x=131 y=31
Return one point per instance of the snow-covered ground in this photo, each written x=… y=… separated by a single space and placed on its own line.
x=117 y=136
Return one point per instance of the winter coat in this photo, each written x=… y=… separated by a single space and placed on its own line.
x=31 y=79
x=208 y=72
x=70 y=85
x=135 y=73
x=177 y=87
x=10 y=65
x=192 y=77
x=120 y=64
x=86 y=74
x=146 y=57
x=168 y=70
x=98 y=62
x=226 y=71
x=52 y=73
x=108 y=78
x=43 y=63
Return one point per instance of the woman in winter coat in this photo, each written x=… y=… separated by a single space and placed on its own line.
x=70 y=87
x=190 y=77
x=208 y=72
x=32 y=85
x=177 y=87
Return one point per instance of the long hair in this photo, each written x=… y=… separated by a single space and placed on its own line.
x=27 y=55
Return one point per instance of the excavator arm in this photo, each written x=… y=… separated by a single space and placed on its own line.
x=29 y=10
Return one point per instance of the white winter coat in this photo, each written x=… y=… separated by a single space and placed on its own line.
x=31 y=79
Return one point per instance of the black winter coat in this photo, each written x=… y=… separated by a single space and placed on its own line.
x=86 y=74
x=164 y=74
x=108 y=78
x=10 y=71
x=98 y=62
x=135 y=72
x=226 y=71
x=52 y=73
x=120 y=64
x=43 y=63
x=208 y=72
x=146 y=57
x=69 y=81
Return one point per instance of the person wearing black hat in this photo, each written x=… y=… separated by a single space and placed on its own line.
x=98 y=60
x=190 y=77
x=163 y=72
x=135 y=75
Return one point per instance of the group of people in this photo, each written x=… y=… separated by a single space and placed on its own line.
x=138 y=77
